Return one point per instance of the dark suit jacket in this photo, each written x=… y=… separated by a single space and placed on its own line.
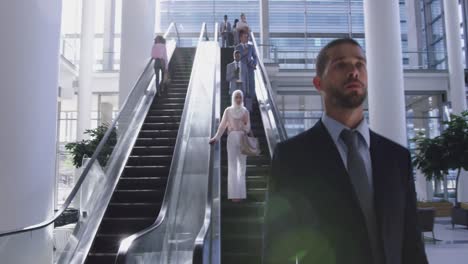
x=313 y=212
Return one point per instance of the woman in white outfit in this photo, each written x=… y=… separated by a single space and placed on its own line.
x=236 y=119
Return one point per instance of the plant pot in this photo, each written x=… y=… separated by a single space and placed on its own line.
x=442 y=209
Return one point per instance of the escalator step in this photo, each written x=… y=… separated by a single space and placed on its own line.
x=107 y=243
x=134 y=183
x=168 y=106
x=165 y=112
x=244 y=209
x=137 y=196
x=246 y=258
x=158 y=133
x=162 y=118
x=145 y=171
x=153 y=150
x=149 y=160
x=120 y=225
x=101 y=258
x=134 y=209
x=155 y=142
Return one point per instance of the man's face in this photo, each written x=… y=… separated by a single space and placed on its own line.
x=237 y=56
x=344 y=81
x=244 y=38
x=225 y=18
x=243 y=18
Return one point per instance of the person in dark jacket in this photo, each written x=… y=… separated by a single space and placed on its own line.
x=339 y=192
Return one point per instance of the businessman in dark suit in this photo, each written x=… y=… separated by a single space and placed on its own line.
x=339 y=192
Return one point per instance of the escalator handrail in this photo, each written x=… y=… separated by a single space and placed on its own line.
x=88 y=166
x=127 y=243
x=215 y=151
x=272 y=102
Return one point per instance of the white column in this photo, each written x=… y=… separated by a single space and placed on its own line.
x=109 y=30
x=456 y=75
x=385 y=70
x=455 y=57
x=265 y=27
x=29 y=52
x=138 y=19
x=86 y=67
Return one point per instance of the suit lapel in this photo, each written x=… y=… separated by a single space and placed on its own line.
x=380 y=172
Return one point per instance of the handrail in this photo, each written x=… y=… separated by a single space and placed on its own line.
x=172 y=25
x=215 y=153
x=271 y=102
x=86 y=170
x=127 y=243
x=203 y=33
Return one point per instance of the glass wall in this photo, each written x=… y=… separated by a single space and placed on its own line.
x=301 y=110
x=67 y=121
x=299 y=28
x=433 y=33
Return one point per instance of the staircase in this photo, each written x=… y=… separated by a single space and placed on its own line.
x=137 y=199
x=242 y=223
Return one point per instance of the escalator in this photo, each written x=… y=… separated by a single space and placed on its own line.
x=242 y=223
x=136 y=202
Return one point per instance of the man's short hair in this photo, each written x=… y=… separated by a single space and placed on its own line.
x=242 y=32
x=323 y=58
x=235 y=52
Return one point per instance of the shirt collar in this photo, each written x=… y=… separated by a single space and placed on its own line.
x=334 y=128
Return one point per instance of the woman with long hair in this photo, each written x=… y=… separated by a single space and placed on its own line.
x=236 y=119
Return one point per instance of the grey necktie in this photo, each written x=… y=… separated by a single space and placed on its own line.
x=363 y=190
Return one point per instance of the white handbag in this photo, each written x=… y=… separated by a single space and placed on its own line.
x=250 y=145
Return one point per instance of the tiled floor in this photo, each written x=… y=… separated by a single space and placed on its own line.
x=452 y=244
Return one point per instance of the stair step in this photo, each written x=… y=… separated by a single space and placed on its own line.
x=146 y=171
x=245 y=244
x=162 y=118
x=155 y=142
x=135 y=183
x=107 y=243
x=158 y=133
x=111 y=226
x=152 y=150
x=165 y=112
x=242 y=227
x=137 y=196
x=167 y=106
x=243 y=209
x=244 y=258
x=133 y=209
x=149 y=160
x=101 y=258
x=159 y=125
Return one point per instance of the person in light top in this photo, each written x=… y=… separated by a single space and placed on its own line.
x=159 y=54
x=236 y=119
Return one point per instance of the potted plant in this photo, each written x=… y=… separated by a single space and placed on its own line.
x=86 y=148
x=436 y=156
x=430 y=160
x=455 y=144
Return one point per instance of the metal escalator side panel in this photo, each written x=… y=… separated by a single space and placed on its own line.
x=271 y=117
x=171 y=240
x=83 y=235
